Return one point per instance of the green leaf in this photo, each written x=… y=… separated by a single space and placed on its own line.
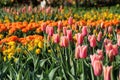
x=42 y=62
x=52 y=73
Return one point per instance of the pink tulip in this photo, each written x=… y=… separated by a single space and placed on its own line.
x=60 y=25
x=81 y=52
x=84 y=30
x=65 y=31
x=99 y=36
x=106 y=41
x=108 y=47
x=48 y=10
x=110 y=29
x=56 y=38
x=49 y=30
x=96 y=64
x=100 y=54
x=115 y=50
x=118 y=39
x=64 y=41
x=69 y=34
x=92 y=40
x=43 y=26
x=70 y=21
x=79 y=38
x=107 y=72
x=29 y=8
x=97 y=67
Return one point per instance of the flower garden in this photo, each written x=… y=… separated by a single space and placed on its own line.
x=56 y=43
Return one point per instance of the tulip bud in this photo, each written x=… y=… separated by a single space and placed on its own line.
x=107 y=72
x=56 y=38
x=84 y=30
x=99 y=36
x=69 y=34
x=64 y=41
x=70 y=21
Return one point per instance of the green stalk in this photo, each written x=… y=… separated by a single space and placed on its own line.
x=92 y=75
x=83 y=69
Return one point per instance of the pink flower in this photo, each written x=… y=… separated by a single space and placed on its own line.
x=64 y=41
x=70 y=21
x=99 y=36
x=48 y=10
x=96 y=64
x=100 y=54
x=110 y=29
x=69 y=34
x=79 y=38
x=107 y=71
x=60 y=25
x=118 y=39
x=84 y=30
x=56 y=38
x=115 y=50
x=29 y=8
x=81 y=52
x=92 y=40
x=49 y=30
x=65 y=31
x=43 y=26
x=106 y=41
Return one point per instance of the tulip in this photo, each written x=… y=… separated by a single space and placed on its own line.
x=48 y=10
x=84 y=30
x=65 y=31
x=60 y=25
x=69 y=34
x=106 y=41
x=107 y=71
x=118 y=39
x=99 y=36
x=70 y=21
x=96 y=64
x=115 y=50
x=92 y=40
x=97 y=67
x=49 y=30
x=79 y=38
x=110 y=29
x=81 y=52
x=100 y=54
x=43 y=26
x=56 y=38
x=64 y=41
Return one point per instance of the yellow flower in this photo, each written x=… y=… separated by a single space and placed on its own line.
x=49 y=50
x=15 y=60
x=1 y=36
x=37 y=51
x=4 y=58
x=40 y=44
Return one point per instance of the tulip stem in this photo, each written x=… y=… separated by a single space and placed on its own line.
x=92 y=75
x=83 y=69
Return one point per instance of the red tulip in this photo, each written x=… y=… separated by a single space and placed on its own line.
x=79 y=38
x=99 y=36
x=64 y=41
x=70 y=21
x=84 y=30
x=56 y=38
x=69 y=34
x=107 y=71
